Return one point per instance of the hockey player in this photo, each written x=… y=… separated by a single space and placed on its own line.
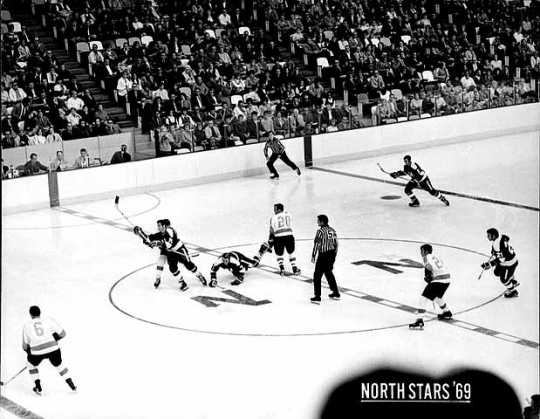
x=283 y=238
x=172 y=251
x=235 y=262
x=505 y=261
x=438 y=279
x=40 y=341
x=419 y=180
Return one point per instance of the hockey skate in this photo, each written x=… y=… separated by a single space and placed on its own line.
x=237 y=281
x=334 y=296
x=417 y=325
x=183 y=286
x=298 y=171
x=274 y=177
x=315 y=300
x=444 y=200
x=296 y=270
x=37 y=388
x=445 y=315
x=282 y=271
x=213 y=283
x=71 y=385
x=414 y=203
x=511 y=293
x=156 y=284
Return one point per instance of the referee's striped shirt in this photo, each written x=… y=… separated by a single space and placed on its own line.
x=325 y=240
x=275 y=145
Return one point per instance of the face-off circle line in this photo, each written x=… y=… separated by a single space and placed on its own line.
x=342 y=332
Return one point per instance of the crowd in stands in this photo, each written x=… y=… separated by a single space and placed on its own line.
x=41 y=101
x=208 y=74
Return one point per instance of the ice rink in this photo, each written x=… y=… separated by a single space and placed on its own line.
x=262 y=350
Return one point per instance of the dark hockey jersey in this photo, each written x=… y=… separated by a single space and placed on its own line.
x=502 y=254
x=235 y=262
x=168 y=240
x=414 y=171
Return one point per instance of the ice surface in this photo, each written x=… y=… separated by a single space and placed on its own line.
x=155 y=359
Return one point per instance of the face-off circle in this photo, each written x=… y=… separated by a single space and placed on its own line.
x=381 y=281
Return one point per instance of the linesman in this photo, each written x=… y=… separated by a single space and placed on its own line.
x=278 y=152
x=324 y=255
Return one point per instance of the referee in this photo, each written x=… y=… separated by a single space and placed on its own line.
x=278 y=152
x=326 y=245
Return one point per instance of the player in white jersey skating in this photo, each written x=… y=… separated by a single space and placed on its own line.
x=40 y=341
x=281 y=238
x=438 y=279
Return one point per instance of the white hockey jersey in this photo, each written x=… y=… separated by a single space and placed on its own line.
x=38 y=335
x=281 y=224
x=437 y=268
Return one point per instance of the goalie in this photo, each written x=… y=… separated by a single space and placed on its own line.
x=172 y=252
x=235 y=262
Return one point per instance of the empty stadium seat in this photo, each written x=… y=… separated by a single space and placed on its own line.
x=81 y=47
x=235 y=99
x=120 y=42
x=244 y=29
x=133 y=39
x=145 y=40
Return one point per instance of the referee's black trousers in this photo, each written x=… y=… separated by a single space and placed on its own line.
x=283 y=156
x=325 y=265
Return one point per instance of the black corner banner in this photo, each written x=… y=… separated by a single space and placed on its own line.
x=388 y=393
x=308 y=156
x=54 y=197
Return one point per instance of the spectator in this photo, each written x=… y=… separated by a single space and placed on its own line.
x=75 y=102
x=212 y=135
x=121 y=156
x=59 y=164
x=33 y=166
x=83 y=160
x=467 y=81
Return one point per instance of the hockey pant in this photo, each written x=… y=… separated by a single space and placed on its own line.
x=506 y=274
x=425 y=185
x=283 y=156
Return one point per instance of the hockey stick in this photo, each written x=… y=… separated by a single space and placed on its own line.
x=482 y=272
x=388 y=173
x=116 y=202
x=141 y=233
x=3 y=383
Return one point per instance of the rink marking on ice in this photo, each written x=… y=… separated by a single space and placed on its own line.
x=53 y=227
x=17 y=409
x=458 y=194
x=347 y=291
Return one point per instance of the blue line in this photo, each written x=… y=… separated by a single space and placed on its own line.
x=461 y=195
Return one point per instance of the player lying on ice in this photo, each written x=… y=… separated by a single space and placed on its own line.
x=172 y=251
x=235 y=262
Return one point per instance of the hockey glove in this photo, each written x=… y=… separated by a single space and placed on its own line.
x=428 y=276
x=394 y=175
x=486 y=266
x=137 y=230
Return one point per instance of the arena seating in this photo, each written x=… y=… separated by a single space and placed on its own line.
x=294 y=67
